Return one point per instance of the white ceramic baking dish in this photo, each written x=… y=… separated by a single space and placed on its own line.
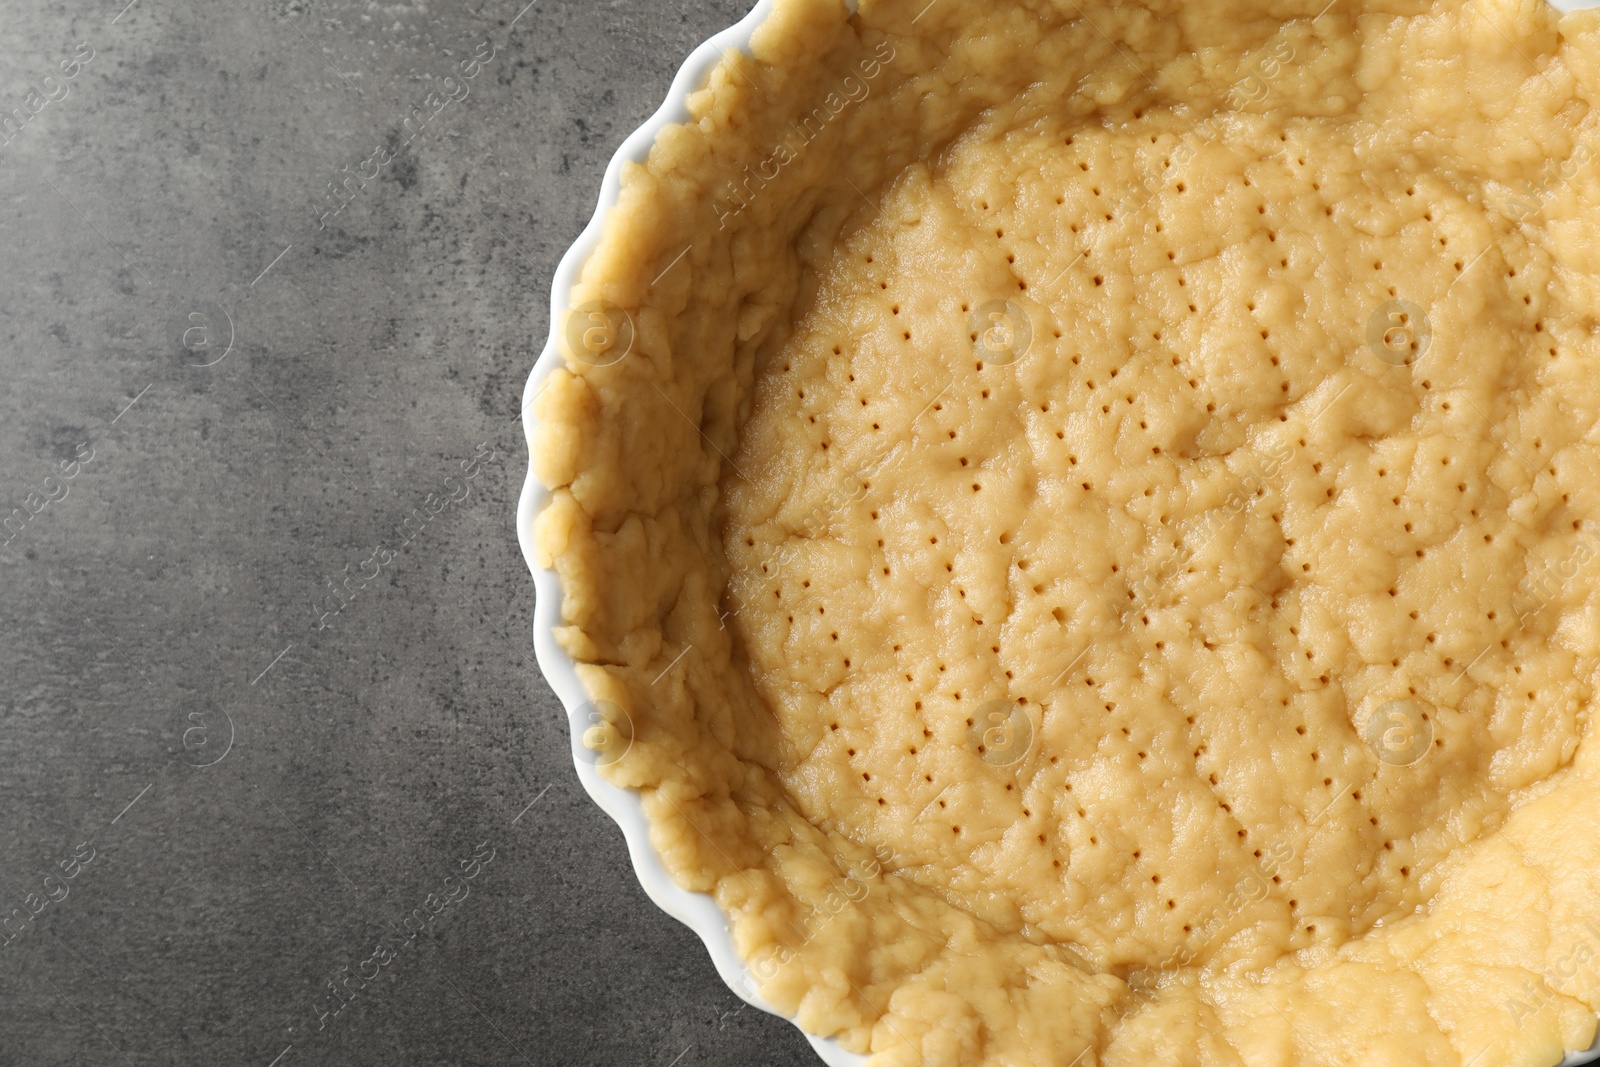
x=695 y=910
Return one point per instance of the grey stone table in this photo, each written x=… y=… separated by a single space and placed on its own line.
x=272 y=278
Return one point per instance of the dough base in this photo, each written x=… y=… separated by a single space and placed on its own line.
x=1079 y=519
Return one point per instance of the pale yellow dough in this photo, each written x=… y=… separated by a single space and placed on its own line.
x=1080 y=517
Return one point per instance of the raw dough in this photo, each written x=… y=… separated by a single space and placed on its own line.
x=1079 y=518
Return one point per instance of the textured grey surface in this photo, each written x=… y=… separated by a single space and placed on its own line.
x=271 y=778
